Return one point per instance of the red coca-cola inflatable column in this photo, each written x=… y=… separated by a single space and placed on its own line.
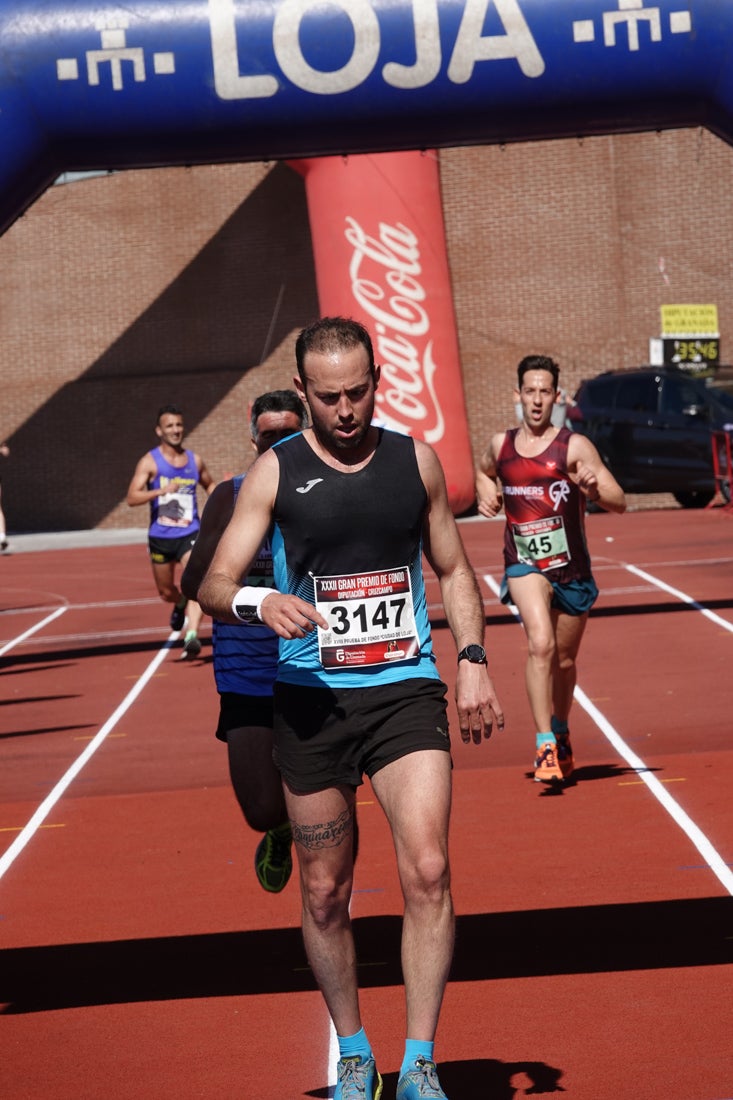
x=380 y=257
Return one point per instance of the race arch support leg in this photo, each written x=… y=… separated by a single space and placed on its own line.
x=380 y=257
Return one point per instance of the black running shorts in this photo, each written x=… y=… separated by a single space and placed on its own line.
x=165 y=550
x=326 y=737
x=238 y=712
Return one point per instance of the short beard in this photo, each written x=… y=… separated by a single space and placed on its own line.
x=339 y=444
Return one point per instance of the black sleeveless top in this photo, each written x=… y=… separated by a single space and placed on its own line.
x=331 y=524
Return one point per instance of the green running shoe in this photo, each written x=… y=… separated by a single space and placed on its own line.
x=191 y=646
x=420 y=1082
x=273 y=858
x=357 y=1079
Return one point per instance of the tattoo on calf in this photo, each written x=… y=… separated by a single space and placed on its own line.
x=326 y=835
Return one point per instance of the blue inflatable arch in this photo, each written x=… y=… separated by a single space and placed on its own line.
x=89 y=85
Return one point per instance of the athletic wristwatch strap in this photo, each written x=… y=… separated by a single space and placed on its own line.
x=474 y=654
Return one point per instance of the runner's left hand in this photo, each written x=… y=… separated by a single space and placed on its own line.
x=477 y=702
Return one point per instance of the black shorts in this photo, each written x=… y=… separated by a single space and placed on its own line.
x=326 y=737
x=236 y=712
x=164 y=550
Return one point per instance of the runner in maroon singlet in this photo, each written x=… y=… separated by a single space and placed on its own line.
x=543 y=475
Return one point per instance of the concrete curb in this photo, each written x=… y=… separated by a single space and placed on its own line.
x=74 y=540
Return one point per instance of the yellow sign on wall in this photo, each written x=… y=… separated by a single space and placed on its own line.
x=690 y=320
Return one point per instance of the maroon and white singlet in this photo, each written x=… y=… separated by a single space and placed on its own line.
x=545 y=511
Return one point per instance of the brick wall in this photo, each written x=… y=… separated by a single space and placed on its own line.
x=555 y=248
x=123 y=292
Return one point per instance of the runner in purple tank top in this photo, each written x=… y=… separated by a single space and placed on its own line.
x=166 y=479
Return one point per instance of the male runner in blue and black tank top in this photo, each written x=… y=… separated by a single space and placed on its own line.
x=166 y=479
x=354 y=507
x=245 y=659
x=543 y=474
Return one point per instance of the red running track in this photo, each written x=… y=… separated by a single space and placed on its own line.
x=595 y=941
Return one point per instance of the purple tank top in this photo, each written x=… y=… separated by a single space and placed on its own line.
x=174 y=515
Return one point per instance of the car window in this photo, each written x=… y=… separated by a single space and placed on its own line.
x=598 y=392
x=637 y=393
x=720 y=397
x=679 y=394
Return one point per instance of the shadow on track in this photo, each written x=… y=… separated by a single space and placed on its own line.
x=586 y=939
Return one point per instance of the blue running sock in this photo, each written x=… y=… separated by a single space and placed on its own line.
x=413 y=1049
x=349 y=1045
x=543 y=738
x=559 y=726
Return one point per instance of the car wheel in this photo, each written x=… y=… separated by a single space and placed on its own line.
x=693 y=499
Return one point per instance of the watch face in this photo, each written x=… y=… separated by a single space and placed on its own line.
x=476 y=654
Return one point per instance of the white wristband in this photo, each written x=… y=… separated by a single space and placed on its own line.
x=247 y=601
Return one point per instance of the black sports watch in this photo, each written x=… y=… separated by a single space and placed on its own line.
x=474 y=654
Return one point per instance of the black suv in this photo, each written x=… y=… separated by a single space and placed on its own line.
x=653 y=428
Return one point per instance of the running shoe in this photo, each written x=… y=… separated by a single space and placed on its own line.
x=357 y=1079
x=191 y=647
x=565 y=755
x=420 y=1082
x=178 y=617
x=273 y=858
x=3 y=543
x=546 y=766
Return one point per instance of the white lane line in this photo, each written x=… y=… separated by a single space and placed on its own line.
x=688 y=826
x=600 y=563
x=32 y=630
x=139 y=602
x=689 y=561
x=99 y=636
x=680 y=596
x=333 y=1055
x=712 y=858
x=50 y=801
x=496 y=589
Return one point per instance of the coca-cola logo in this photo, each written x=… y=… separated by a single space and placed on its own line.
x=385 y=282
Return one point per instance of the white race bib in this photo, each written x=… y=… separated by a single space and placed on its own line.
x=175 y=509
x=542 y=542
x=371 y=619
